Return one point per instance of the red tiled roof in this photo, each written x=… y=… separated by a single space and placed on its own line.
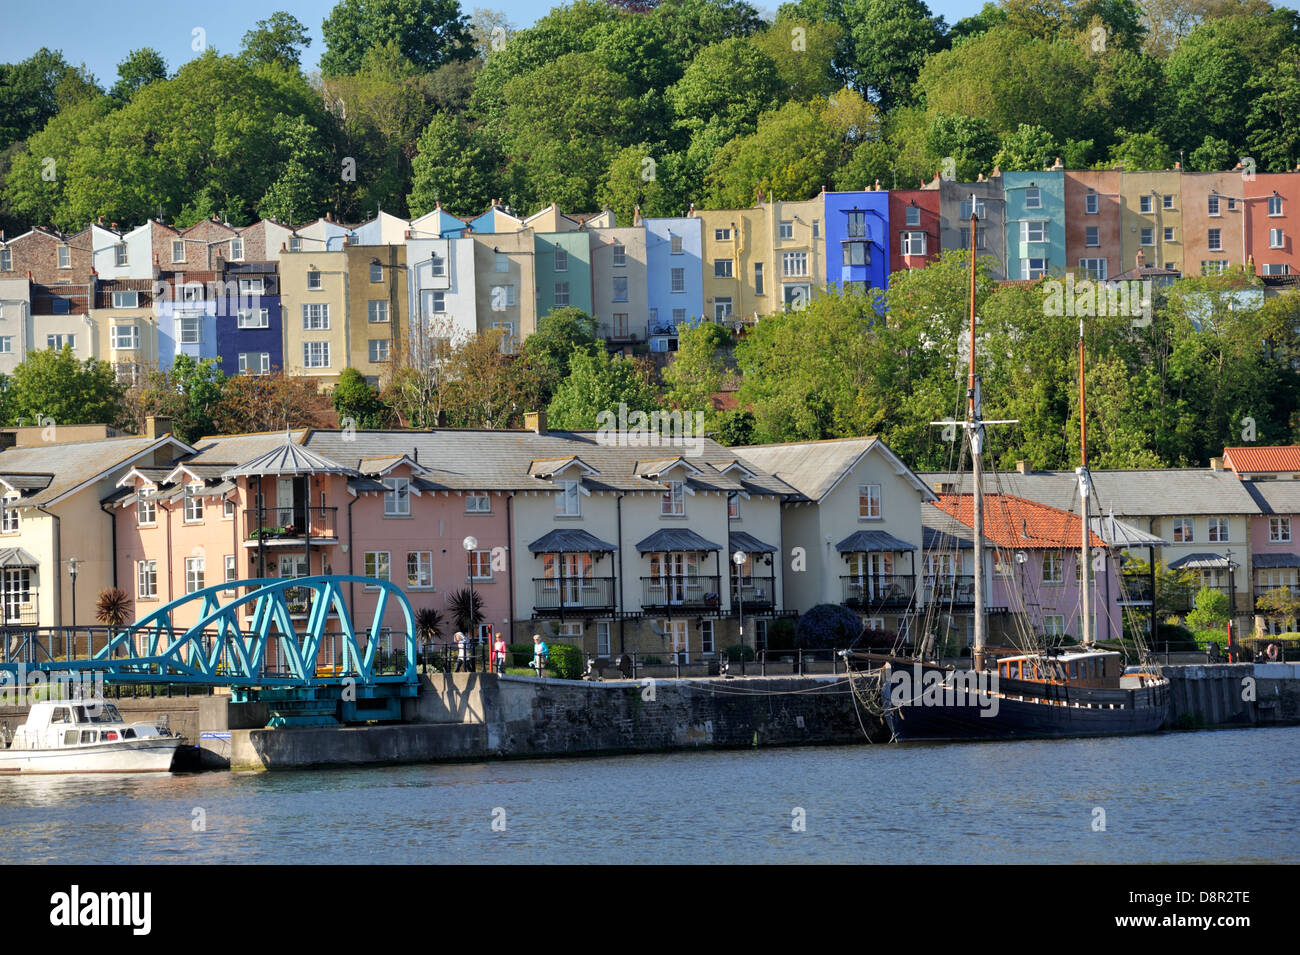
x=1251 y=460
x=1014 y=522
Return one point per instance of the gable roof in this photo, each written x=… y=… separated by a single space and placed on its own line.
x=289 y=458
x=1017 y=523
x=1275 y=497
x=1259 y=460
x=815 y=468
x=74 y=465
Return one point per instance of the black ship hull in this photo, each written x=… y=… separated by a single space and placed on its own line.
x=1016 y=710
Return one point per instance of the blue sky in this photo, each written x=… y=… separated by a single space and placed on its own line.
x=100 y=33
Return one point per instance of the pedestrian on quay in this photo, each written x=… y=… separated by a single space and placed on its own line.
x=540 y=652
x=499 y=653
x=462 y=658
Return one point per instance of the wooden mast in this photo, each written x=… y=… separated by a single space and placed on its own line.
x=976 y=433
x=1085 y=489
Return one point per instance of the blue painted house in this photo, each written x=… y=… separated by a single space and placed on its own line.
x=857 y=241
x=674 y=278
x=187 y=315
x=1035 y=223
x=249 y=321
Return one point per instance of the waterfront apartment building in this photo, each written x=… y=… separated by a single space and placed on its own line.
x=618 y=275
x=1151 y=220
x=955 y=204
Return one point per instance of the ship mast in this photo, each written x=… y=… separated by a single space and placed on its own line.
x=975 y=432
x=1085 y=491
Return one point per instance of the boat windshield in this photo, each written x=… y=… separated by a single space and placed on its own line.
x=104 y=713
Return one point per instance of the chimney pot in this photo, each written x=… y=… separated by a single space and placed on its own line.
x=535 y=421
x=155 y=426
x=1022 y=467
x=1216 y=464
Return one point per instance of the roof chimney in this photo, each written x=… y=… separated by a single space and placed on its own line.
x=1216 y=464
x=535 y=421
x=156 y=426
x=1022 y=467
x=1141 y=259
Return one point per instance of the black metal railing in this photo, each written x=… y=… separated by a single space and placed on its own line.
x=755 y=593
x=573 y=594
x=686 y=591
x=20 y=607
x=882 y=590
x=957 y=590
x=1136 y=590
x=1262 y=590
x=291 y=523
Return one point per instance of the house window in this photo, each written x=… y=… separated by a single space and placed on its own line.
x=869 y=502
x=1034 y=268
x=1213 y=205
x=178 y=251
x=619 y=256
x=500 y=262
x=678 y=280
x=1145 y=204
x=722 y=268
x=191 y=330
x=620 y=288
x=1092 y=236
x=1033 y=230
x=721 y=308
x=376 y=272
x=913 y=217
x=675 y=245
x=1279 y=530
x=503 y=296
x=1090 y=204
x=378 y=349
x=6 y=344
x=1214 y=266
x=857 y=225
x=295 y=243
x=480 y=564
x=419 y=569
x=794 y=263
x=255 y=286
x=1147 y=236
x=1213 y=238
x=313 y=282
x=722 y=235
x=236 y=250
x=315 y=354
x=1282 y=269
x=255 y=363
x=855 y=253
x=1094 y=269
x=1003 y=564
x=126 y=336
x=478 y=504
x=602 y=638
x=126 y=299
x=507 y=330
x=1183 y=533
x=1218 y=530
x=438 y=302
x=1168 y=202
x=437 y=265
x=56 y=342
x=1169 y=233
x=1033 y=198
x=377 y=311
x=376 y=564
x=146 y=579
x=561 y=260
x=1275 y=239
x=567 y=501
x=65 y=257
x=787 y=230
x=979 y=209
x=194 y=574
x=1054 y=624
x=673 y=502
x=679 y=317
x=758 y=278
x=146 y=510
x=1053 y=567
x=9 y=521
x=193 y=503
x=227 y=508
x=1275 y=205
x=980 y=238
x=706 y=636
x=397 y=499
x=316 y=317
x=620 y=320
x=733 y=507
x=6 y=260
x=253 y=318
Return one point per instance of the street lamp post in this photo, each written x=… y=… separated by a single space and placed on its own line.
x=471 y=544
x=738 y=558
x=72 y=572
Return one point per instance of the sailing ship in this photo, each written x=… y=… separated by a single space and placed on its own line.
x=1036 y=691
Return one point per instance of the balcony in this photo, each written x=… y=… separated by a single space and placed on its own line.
x=279 y=526
x=757 y=594
x=884 y=591
x=1183 y=602
x=1262 y=590
x=1136 y=589
x=20 y=607
x=957 y=590
x=680 y=592
x=572 y=596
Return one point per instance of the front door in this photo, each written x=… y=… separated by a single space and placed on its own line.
x=284 y=502
x=576 y=567
x=17 y=593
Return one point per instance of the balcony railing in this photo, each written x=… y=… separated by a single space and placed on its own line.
x=576 y=595
x=756 y=593
x=957 y=590
x=1182 y=603
x=878 y=592
x=1262 y=590
x=685 y=591
x=1137 y=589
x=268 y=524
x=20 y=607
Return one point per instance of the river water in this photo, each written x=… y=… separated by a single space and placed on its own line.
x=1225 y=796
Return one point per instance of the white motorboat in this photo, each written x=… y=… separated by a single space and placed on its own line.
x=84 y=736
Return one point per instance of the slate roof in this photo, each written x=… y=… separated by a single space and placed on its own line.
x=1275 y=497
x=482 y=460
x=748 y=544
x=866 y=542
x=1152 y=492
x=1202 y=560
x=17 y=557
x=290 y=458
x=1250 y=459
x=73 y=464
x=1017 y=523
x=570 y=541
x=1265 y=561
x=672 y=539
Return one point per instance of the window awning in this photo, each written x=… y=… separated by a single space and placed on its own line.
x=564 y=541
x=748 y=544
x=17 y=557
x=1202 y=562
x=676 y=539
x=865 y=542
x=1266 y=561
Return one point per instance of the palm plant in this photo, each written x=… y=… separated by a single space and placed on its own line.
x=466 y=609
x=428 y=626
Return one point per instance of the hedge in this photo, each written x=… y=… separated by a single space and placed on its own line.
x=563 y=660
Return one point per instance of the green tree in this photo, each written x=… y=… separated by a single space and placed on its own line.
x=1029 y=148
x=560 y=334
x=54 y=384
x=692 y=25
x=597 y=383
x=1211 y=612
x=1213 y=155
x=891 y=41
x=804 y=53
x=968 y=140
x=140 y=68
x=698 y=370
x=1138 y=151
x=790 y=156
x=452 y=167
x=28 y=94
x=639 y=177
x=353 y=398
x=280 y=38
x=190 y=392
x=727 y=86
x=428 y=33
x=736 y=428
x=300 y=190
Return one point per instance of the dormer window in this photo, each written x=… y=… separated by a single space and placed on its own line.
x=673 y=502
x=567 y=501
x=193 y=502
x=397 y=499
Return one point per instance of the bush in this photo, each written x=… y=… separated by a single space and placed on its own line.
x=1204 y=638
x=563 y=660
x=827 y=627
x=1178 y=637
x=737 y=652
x=780 y=635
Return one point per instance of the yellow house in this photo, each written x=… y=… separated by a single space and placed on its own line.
x=1151 y=219
x=314 y=296
x=761 y=260
x=505 y=294
x=377 y=301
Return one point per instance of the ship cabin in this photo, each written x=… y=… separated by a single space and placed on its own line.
x=1092 y=668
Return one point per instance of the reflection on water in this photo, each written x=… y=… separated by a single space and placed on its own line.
x=1195 y=797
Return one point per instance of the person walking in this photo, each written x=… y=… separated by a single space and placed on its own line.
x=499 y=653
x=540 y=652
x=462 y=658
